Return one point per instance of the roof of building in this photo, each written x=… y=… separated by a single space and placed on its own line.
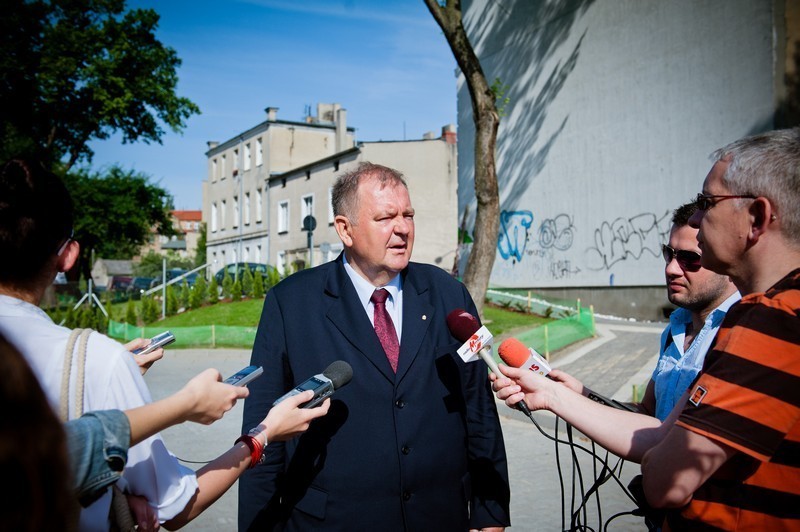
x=117 y=267
x=188 y=216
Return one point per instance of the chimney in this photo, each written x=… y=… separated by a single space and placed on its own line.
x=272 y=113
x=449 y=134
x=341 y=130
x=212 y=144
x=428 y=135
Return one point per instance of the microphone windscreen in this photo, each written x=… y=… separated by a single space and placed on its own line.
x=513 y=352
x=462 y=324
x=339 y=372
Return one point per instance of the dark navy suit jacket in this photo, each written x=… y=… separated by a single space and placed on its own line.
x=418 y=450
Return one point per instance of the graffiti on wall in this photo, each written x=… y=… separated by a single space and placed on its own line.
x=513 y=236
x=625 y=239
x=556 y=233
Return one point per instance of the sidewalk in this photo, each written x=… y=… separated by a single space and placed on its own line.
x=623 y=354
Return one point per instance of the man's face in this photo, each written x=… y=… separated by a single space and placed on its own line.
x=700 y=290
x=380 y=239
x=723 y=226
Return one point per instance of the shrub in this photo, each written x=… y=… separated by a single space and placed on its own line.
x=227 y=285
x=130 y=313
x=247 y=282
x=199 y=293
x=213 y=291
x=236 y=291
x=172 y=301
x=258 y=286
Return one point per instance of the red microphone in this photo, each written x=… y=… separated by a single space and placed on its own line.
x=515 y=354
x=466 y=328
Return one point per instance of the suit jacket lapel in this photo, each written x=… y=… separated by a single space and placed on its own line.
x=417 y=316
x=348 y=316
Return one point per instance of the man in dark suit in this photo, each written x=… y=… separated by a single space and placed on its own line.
x=413 y=442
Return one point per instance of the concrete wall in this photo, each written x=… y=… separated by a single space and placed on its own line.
x=614 y=107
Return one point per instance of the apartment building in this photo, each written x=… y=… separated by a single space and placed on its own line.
x=235 y=202
x=284 y=173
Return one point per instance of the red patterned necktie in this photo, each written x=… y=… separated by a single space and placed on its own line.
x=384 y=327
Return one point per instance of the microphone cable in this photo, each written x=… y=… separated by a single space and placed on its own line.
x=606 y=473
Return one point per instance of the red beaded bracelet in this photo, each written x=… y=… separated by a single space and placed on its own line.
x=256 y=449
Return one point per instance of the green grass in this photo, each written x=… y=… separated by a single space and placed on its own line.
x=244 y=313
x=247 y=313
x=500 y=321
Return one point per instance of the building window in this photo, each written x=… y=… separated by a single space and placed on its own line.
x=281 y=262
x=283 y=217
x=246 y=208
x=259 y=205
x=222 y=257
x=247 y=157
x=330 y=206
x=259 y=153
x=213 y=169
x=223 y=166
x=213 y=217
x=235 y=256
x=235 y=212
x=258 y=253
x=236 y=161
x=246 y=257
x=222 y=214
x=306 y=208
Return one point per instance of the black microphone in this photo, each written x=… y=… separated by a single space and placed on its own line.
x=323 y=385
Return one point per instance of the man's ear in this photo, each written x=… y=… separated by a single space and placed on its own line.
x=343 y=228
x=69 y=257
x=762 y=215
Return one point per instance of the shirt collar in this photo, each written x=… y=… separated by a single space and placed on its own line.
x=364 y=288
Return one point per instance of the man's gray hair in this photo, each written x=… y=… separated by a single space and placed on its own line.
x=344 y=196
x=767 y=165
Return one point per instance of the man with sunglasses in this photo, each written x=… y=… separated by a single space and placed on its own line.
x=732 y=458
x=703 y=297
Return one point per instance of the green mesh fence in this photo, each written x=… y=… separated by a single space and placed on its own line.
x=201 y=336
x=572 y=322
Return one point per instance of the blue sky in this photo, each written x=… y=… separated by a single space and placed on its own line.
x=385 y=61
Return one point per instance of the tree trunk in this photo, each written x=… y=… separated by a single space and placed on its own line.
x=486 y=118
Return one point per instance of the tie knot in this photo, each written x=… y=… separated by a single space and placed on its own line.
x=379 y=296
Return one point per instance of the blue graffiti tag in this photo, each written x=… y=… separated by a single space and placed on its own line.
x=513 y=236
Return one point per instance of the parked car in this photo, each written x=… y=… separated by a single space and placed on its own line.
x=237 y=269
x=138 y=286
x=172 y=274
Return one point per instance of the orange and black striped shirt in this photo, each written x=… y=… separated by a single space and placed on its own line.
x=748 y=397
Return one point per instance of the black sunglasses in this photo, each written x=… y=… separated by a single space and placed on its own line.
x=706 y=201
x=688 y=260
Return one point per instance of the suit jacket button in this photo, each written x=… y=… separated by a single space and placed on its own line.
x=400 y=403
x=406 y=449
x=406 y=495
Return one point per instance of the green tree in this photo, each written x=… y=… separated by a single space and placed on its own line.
x=247 y=282
x=487 y=119
x=148 y=310
x=151 y=264
x=200 y=252
x=183 y=298
x=172 y=301
x=236 y=291
x=258 y=286
x=199 y=293
x=130 y=312
x=213 y=291
x=227 y=285
x=116 y=212
x=273 y=278
x=78 y=70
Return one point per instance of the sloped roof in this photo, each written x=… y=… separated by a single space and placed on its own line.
x=117 y=267
x=188 y=216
